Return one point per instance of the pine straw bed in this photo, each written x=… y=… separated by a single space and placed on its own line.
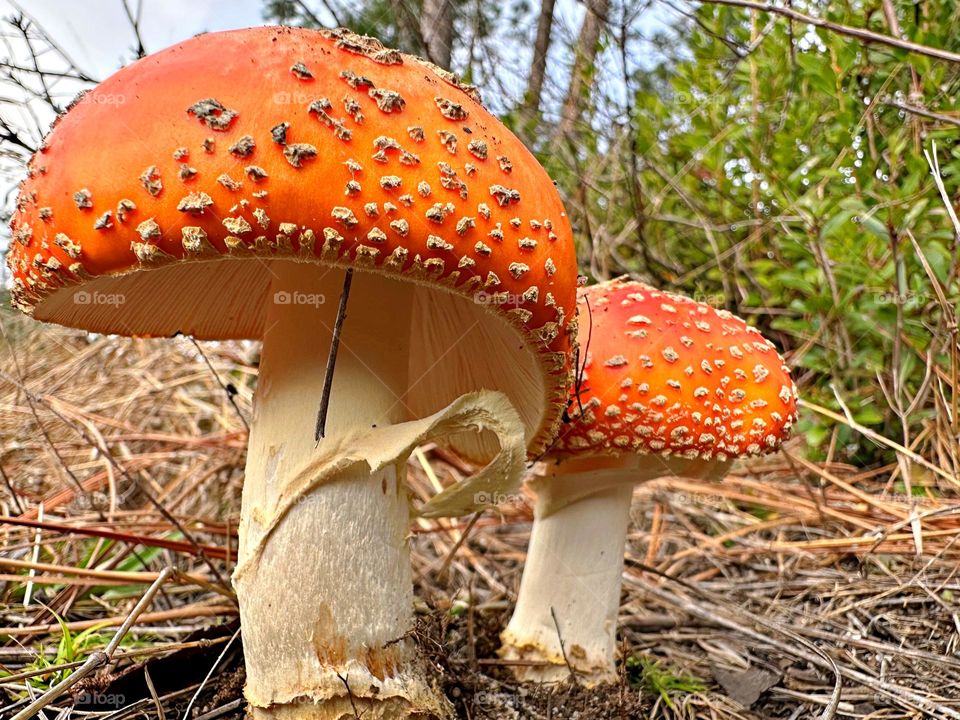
x=790 y=590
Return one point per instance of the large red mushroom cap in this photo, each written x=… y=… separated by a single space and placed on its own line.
x=668 y=375
x=158 y=198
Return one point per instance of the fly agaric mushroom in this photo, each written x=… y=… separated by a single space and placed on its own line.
x=243 y=176
x=671 y=387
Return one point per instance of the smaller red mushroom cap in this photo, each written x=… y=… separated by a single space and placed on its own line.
x=666 y=374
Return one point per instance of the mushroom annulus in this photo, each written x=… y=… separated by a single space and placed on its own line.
x=669 y=387
x=227 y=187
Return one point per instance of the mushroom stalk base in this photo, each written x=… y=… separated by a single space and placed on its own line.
x=323 y=576
x=574 y=567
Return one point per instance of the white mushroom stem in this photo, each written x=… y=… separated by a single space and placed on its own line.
x=570 y=589
x=569 y=599
x=324 y=582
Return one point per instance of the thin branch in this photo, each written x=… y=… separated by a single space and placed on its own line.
x=353 y=705
x=206 y=679
x=134 y=19
x=15 y=498
x=222 y=710
x=42 y=34
x=855 y=32
x=922 y=112
x=24 y=28
x=312 y=16
x=563 y=648
x=332 y=358
x=228 y=388
x=97 y=659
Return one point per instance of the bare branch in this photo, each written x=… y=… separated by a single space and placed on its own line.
x=923 y=112
x=311 y=16
x=10 y=135
x=134 y=19
x=860 y=33
x=54 y=46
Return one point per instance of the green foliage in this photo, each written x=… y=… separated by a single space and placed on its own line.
x=651 y=676
x=776 y=174
x=71 y=648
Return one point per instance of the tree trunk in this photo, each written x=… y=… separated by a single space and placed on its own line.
x=585 y=55
x=436 y=27
x=538 y=68
x=407 y=28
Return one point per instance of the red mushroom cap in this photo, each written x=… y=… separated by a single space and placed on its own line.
x=666 y=374
x=280 y=143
